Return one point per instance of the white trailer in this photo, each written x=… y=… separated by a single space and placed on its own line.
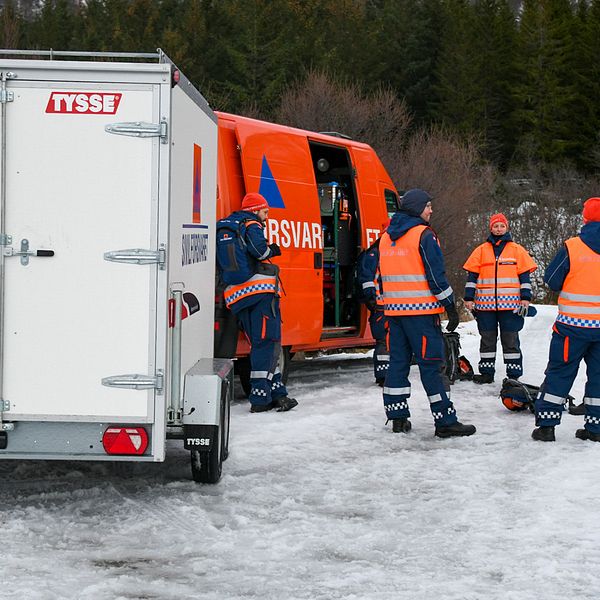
x=107 y=226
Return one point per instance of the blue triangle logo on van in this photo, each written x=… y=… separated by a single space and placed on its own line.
x=268 y=186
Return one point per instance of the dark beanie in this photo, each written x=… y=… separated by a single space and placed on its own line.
x=414 y=202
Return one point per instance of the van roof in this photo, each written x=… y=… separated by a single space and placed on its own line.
x=328 y=138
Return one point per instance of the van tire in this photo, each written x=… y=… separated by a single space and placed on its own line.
x=207 y=465
x=242 y=367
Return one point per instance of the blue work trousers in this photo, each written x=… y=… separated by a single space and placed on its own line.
x=420 y=335
x=381 y=355
x=261 y=323
x=568 y=347
x=509 y=324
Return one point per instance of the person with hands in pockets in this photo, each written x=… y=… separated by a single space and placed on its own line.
x=498 y=292
x=415 y=294
x=252 y=294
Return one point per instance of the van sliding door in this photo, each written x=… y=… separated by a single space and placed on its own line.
x=277 y=163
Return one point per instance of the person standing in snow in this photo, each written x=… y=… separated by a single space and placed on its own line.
x=251 y=293
x=415 y=293
x=369 y=278
x=575 y=273
x=498 y=292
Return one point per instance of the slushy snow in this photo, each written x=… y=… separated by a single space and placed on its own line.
x=324 y=502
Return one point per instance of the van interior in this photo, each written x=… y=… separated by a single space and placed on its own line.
x=334 y=174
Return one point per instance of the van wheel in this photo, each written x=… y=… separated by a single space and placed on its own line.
x=207 y=465
x=285 y=356
x=242 y=367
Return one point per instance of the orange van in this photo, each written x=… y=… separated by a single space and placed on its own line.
x=328 y=197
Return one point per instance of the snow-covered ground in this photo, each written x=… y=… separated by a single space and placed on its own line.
x=324 y=502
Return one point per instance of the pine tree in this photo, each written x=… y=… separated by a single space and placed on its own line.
x=547 y=94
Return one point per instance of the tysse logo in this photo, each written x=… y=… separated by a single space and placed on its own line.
x=83 y=103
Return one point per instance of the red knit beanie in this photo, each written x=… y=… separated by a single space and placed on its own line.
x=253 y=202
x=591 y=210
x=498 y=218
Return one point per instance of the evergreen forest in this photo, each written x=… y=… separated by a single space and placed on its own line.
x=490 y=104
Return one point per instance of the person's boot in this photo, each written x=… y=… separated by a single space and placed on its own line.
x=284 y=403
x=544 y=433
x=402 y=425
x=584 y=434
x=455 y=430
x=483 y=378
x=257 y=408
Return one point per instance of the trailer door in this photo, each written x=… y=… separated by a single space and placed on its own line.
x=277 y=163
x=72 y=319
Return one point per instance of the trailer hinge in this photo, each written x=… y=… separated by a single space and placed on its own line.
x=5 y=240
x=139 y=129
x=135 y=381
x=138 y=256
x=4 y=405
x=6 y=96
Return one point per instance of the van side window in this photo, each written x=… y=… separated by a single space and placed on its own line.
x=391 y=202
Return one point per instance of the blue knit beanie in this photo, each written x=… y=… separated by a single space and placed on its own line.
x=414 y=202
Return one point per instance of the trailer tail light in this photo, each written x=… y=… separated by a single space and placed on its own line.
x=125 y=440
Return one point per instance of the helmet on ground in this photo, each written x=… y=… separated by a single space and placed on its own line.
x=513 y=404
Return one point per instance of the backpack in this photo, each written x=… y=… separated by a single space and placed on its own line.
x=457 y=366
x=233 y=260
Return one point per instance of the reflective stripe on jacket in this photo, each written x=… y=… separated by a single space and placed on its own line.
x=405 y=288
x=498 y=286
x=579 y=299
x=257 y=284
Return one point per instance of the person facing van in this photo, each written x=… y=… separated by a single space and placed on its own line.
x=252 y=295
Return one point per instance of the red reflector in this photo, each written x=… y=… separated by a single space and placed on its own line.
x=125 y=440
x=217 y=326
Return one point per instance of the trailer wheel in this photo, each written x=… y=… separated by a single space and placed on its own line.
x=207 y=465
x=243 y=368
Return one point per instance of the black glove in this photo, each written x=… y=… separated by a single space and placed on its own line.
x=275 y=250
x=452 y=317
x=371 y=303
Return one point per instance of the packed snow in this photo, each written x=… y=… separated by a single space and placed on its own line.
x=324 y=502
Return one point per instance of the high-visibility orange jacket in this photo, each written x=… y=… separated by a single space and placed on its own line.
x=498 y=286
x=406 y=291
x=257 y=284
x=579 y=300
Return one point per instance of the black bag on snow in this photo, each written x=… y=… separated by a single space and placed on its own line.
x=457 y=366
x=234 y=263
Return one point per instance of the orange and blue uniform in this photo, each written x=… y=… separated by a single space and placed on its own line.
x=498 y=279
x=575 y=273
x=415 y=292
x=369 y=278
x=254 y=299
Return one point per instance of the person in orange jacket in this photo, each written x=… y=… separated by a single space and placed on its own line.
x=575 y=273
x=415 y=294
x=498 y=292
